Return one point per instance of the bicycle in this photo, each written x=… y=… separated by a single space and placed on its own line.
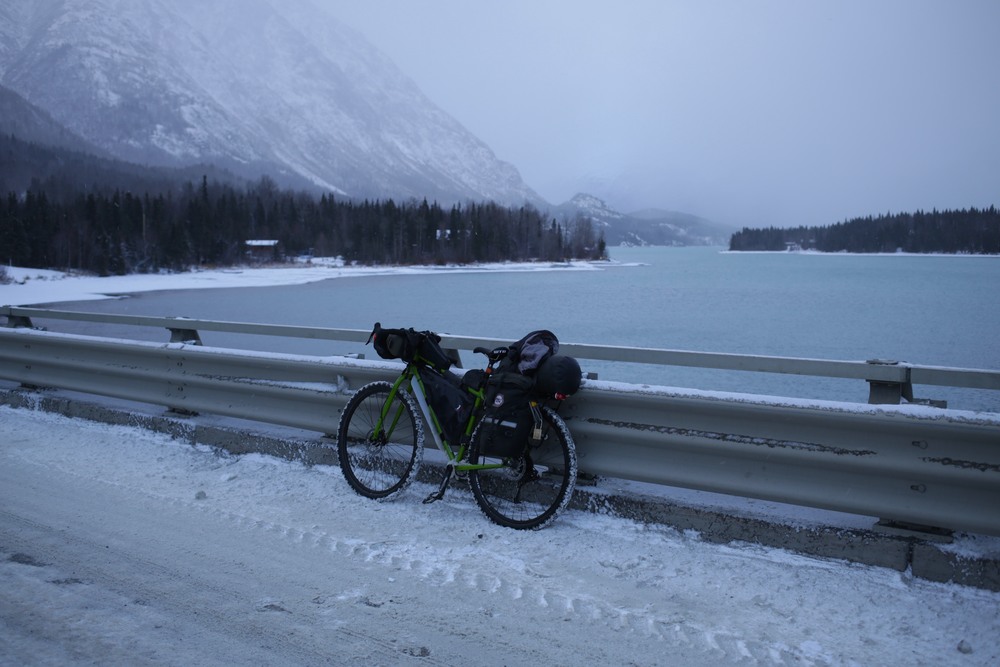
x=521 y=469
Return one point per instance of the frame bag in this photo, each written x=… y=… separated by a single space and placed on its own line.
x=449 y=401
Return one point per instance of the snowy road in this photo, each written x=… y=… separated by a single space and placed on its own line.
x=120 y=546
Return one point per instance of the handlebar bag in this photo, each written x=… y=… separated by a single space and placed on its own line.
x=410 y=345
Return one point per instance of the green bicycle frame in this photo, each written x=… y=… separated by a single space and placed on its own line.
x=410 y=378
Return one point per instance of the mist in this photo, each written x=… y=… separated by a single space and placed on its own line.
x=750 y=114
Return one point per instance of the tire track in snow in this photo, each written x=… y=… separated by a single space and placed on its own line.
x=468 y=570
x=442 y=570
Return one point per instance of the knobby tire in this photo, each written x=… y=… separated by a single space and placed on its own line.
x=528 y=492
x=380 y=464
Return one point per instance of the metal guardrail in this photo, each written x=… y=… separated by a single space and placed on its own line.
x=910 y=464
x=889 y=381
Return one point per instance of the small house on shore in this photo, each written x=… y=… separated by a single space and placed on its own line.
x=263 y=251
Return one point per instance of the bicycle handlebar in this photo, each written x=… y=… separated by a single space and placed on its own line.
x=494 y=355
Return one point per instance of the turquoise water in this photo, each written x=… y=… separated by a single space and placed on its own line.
x=930 y=310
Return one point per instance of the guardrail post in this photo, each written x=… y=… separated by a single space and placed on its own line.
x=186 y=336
x=882 y=393
x=16 y=321
x=885 y=392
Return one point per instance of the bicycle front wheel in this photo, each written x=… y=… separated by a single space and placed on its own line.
x=529 y=491
x=380 y=443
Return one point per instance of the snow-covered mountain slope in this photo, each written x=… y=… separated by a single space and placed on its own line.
x=27 y=122
x=649 y=227
x=256 y=86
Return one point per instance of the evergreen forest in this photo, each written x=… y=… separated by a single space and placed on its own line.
x=967 y=231
x=62 y=221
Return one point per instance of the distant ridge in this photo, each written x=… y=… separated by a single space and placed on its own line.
x=645 y=227
x=968 y=231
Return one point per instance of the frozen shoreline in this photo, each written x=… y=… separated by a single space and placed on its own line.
x=41 y=286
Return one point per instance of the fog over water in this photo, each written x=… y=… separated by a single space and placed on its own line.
x=767 y=113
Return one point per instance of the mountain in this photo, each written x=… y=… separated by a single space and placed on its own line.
x=258 y=87
x=27 y=122
x=37 y=149
x=681 y=228
x=647 y=227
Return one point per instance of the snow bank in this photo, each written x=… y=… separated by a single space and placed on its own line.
x=40 y=286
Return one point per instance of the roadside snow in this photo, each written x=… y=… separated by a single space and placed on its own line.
x=121 y=546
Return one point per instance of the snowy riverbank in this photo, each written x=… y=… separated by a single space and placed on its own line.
x=41 y=286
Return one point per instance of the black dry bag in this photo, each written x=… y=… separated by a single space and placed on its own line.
x=510 y=419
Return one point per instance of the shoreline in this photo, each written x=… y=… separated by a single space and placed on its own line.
x=43 y=286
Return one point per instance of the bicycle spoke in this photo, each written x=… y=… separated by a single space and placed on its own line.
x=380 y=444
x=528 y=491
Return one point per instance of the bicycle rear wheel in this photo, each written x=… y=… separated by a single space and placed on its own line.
x=380 y=445
x=529 y=491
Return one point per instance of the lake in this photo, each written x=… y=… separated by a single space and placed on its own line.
x=928 y=310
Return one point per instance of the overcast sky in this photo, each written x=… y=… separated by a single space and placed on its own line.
x=779 y=112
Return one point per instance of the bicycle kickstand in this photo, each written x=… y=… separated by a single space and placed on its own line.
x=449 y=471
